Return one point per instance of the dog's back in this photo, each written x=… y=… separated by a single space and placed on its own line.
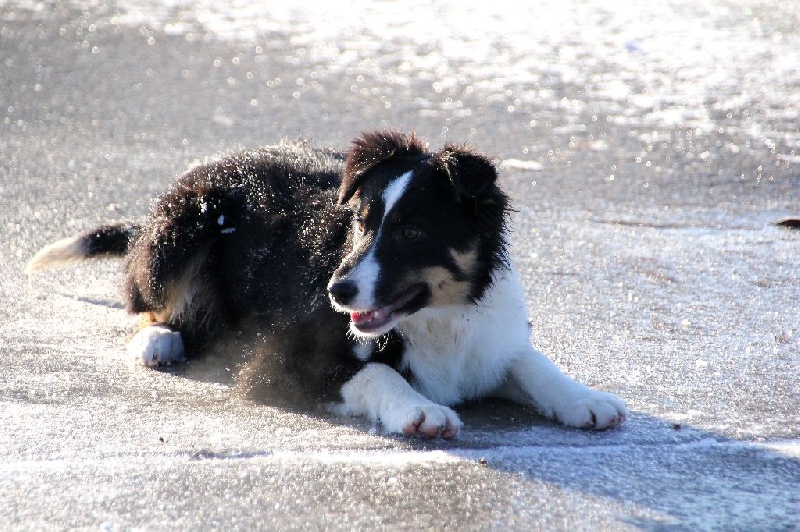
x=254 y=232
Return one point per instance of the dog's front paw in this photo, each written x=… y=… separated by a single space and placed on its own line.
x=425 y=419
x=157 y=345
x=591 y=409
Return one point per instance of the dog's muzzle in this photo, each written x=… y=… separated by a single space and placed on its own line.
x=342 y=292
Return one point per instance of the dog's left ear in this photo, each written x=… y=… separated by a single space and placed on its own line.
x=471 y=173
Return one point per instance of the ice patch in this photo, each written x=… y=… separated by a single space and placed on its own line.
x=504 y=454
x=643 y=44
x=518 y=164
x=380 y=458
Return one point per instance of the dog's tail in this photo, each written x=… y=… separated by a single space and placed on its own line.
x=104 y=241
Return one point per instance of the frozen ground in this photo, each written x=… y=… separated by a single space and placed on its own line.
x=647 y=149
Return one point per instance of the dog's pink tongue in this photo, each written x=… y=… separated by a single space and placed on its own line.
x=362 y=317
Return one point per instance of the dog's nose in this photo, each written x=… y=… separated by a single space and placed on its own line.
x=343 y=292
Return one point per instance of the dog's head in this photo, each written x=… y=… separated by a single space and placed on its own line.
x=428 y=230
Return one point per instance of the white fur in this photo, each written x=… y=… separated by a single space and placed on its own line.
x=560 y=397
x=363 y=350
x=470 y=351
x=58 y=253
x=464 y=352
x=366 y=273
x=393 y=192
x=157 y=345
x=382 y=394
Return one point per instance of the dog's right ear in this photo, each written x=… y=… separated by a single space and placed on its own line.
x=371 y=150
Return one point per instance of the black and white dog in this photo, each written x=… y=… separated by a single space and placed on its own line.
x=411 y=248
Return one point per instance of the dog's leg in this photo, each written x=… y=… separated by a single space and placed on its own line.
x=157 y=345
x=382 y=394
x=535 y=378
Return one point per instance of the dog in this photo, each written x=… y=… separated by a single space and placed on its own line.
x=377 y=281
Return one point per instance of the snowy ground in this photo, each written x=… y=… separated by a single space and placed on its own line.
x=648 y=150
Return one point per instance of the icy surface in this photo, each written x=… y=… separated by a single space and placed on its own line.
x=647 y=149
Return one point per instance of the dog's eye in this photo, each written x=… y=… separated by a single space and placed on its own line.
x=411 y=233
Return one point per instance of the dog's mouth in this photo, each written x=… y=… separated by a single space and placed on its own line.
x=380 y=320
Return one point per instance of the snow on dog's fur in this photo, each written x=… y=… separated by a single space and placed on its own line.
x=425 y=311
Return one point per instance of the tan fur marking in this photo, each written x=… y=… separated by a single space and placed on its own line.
x=445 y=290
x=187 y=299
x=146 y=319
x=466 y=261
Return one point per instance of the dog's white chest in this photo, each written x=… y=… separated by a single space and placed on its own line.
x=464 y=352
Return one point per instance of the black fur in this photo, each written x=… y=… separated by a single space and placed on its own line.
x=109 y=240
x=259 y=233
x=453 y=199
x=377 y=149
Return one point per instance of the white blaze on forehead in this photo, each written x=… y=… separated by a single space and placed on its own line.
x=366 y=273
x=394 y=192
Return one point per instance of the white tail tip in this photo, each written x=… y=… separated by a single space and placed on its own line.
x=65 y=251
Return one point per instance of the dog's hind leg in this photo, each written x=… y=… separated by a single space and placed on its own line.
x=173 y=279
x=157 y=345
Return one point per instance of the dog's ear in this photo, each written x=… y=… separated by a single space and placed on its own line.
x=371 y=150
x=471 y=173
